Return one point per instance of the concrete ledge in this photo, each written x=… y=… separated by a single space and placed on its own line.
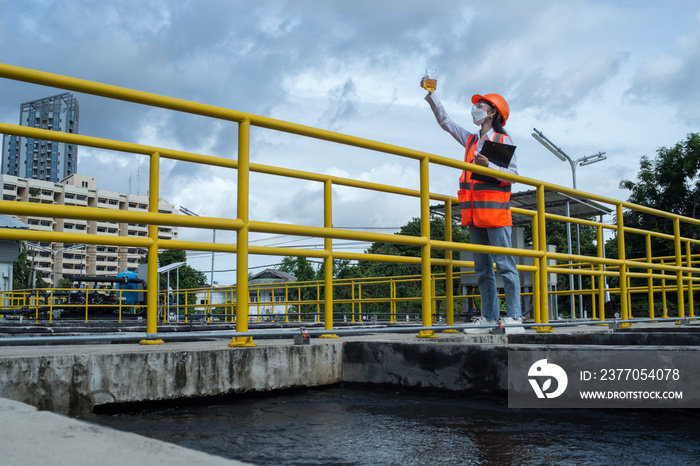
x=74 y=380
x=28 y=436
x=447 y=366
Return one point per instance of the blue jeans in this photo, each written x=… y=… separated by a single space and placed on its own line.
x=506 y=267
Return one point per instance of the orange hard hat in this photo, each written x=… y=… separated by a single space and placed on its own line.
x=496 y=101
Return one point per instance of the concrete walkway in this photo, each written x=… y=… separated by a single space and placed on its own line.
x=32 y=437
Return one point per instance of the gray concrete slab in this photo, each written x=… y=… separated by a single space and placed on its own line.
x=32 y=437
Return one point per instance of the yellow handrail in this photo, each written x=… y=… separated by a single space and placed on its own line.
x=684 y=272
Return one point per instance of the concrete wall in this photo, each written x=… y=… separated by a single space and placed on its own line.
x=75 y=383
x=74 y=380
x=445 y=366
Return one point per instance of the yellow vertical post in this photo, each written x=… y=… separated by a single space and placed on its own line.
x=328 y=261
x=352 y=299
x=650 y=279
x=51 y=313
x=679 y=264
x=689 y=263
x=425 y=250
x=392 y=301
x=664 y=304
x=153 y=285
x=434 y=304
x=449 y=273
x=601 y=277
x=535 y=275
x=624 y=307
x=392 y=285
x=51 y=301
x=318 y=303
x=242 y=297
x=298 y=301
x=359 y=302
x=594 y=293
x=542 y=236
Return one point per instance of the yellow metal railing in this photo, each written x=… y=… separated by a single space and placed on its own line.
x=284 y=301
x=683 y=273
x=82 y=303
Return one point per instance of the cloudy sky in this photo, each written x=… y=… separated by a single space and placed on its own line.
x=616 y=76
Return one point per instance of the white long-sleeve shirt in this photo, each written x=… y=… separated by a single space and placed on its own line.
x=462 y=135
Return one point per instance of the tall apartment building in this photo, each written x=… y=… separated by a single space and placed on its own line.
x=39 y=159
x=80 y=190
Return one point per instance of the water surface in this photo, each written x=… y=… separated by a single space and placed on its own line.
x=361 y=426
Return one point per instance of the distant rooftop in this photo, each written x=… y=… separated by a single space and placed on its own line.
x=7 y=221
x=272 y=276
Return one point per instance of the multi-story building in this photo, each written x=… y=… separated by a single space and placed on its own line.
x=39 y=159
x=81 y=190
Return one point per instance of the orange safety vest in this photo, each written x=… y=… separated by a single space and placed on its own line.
x=484 y=204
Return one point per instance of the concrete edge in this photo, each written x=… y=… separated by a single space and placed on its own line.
x=29 y=436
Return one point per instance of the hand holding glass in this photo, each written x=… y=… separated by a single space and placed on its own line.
x=430 y=80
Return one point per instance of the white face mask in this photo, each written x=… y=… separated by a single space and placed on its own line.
x=478 y=115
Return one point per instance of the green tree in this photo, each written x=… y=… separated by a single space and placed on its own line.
x=22 y=272
x=669 y=182
x=304 y=271
x=300 y=267
x=557 y=237
x=342 y=270
x=392 y=269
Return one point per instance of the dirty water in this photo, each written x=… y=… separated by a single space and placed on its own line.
x=378 y=426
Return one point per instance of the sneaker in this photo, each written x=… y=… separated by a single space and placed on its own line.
x=513 y=325
x=480 y=321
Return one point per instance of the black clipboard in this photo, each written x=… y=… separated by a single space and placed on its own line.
x=498 y=153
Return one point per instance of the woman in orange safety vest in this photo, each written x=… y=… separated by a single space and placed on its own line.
x=485 y=207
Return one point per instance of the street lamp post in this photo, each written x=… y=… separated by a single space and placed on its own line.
x=588 y=160
x=54 y=255
x=187 y=211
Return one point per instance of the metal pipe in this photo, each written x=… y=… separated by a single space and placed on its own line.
x=288 y=333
